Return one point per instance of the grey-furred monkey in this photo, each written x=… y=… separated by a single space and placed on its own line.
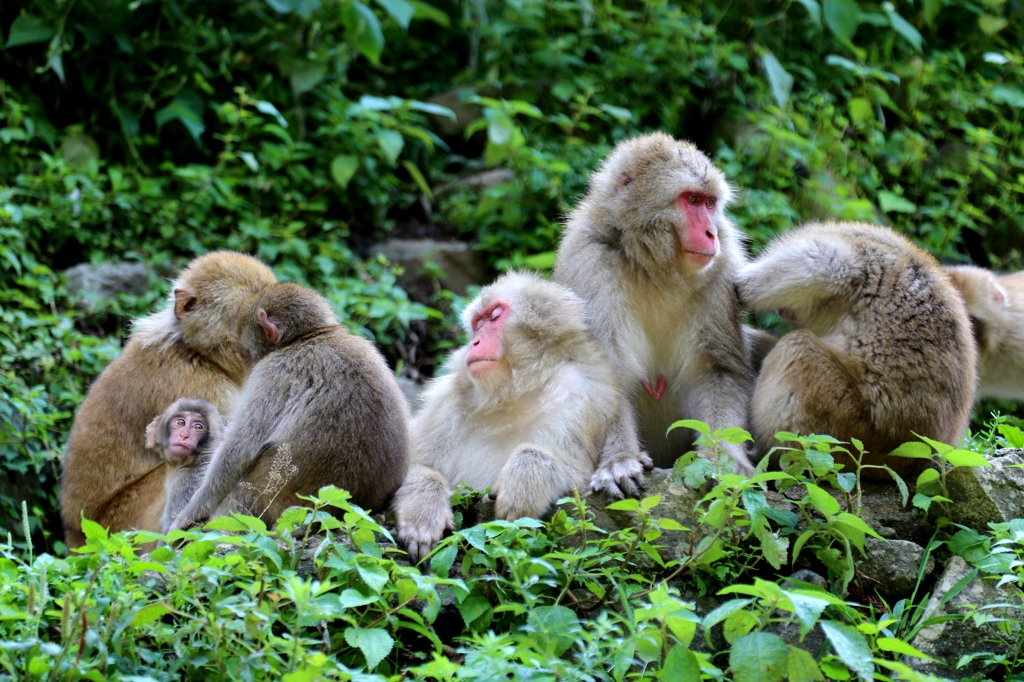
x=996 y=306
x=882 y=347
x=185 y=435
x=524 y=408
x=320 y=407
x=652 y=253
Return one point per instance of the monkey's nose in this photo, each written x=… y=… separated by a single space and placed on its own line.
x=710 y=235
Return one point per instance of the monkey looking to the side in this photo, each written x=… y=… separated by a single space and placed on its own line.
x=185 y=435
x=320 y=407
x=996 y=306
x=652 y=253
x=882 y=347
x=524 y=408
x=188 y=348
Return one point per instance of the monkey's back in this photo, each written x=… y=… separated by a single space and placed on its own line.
x=906 y=335
x=343 y=418
x=107 y=471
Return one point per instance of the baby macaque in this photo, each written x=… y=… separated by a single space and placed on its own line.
x=996 y=306
x=523 y=408
x=882 y=347
x=185 y=435
x=652 y=253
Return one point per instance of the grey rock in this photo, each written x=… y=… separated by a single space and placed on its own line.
x=948 y=641
x=983 y=495
x=460 y=265
x=892 y=567
x=106 y=280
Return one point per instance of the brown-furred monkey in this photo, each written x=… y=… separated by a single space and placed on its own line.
x=882 y=349
x=652 y=253
x=185 y=435
x=320 y=407
x=187 y=349
x=524 y=408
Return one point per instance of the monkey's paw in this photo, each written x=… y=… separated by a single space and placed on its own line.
x=622 y=475
x=510 y=507
x=423 y=534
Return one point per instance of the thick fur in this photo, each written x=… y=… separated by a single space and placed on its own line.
x=883 y=348
x=533 y=429
x=996 y=306
x=108 y=475
x=652 y=312
x=181 y=479
x=318 y=399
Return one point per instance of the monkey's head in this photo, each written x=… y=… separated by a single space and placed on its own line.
x=278 y=315
x=663 y=202
x=186 y=428
x=985 y=299
x=518 y=326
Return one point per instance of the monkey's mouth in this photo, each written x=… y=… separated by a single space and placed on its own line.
x=700 y=258
x=478 y=366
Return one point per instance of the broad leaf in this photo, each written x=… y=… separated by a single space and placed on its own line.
x=842 y=16
x=28 y=29
x=780 y=80
x=851 y=647
x=362 y=29
x=759 y=657
x=375 y=643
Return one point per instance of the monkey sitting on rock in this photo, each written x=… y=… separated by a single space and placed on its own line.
x=185 y=435
x=524 y=408
x=882 y=347
x=996 y=306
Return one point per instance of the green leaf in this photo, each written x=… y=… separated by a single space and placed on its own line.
x=680 y=664
x=649 y=503
x=808 y=609
x=722 y=612
x=912 y=450
x=629 y=504
x=28 y=29
x=966 y=458
x=472 y=607
x=861 y=110
x=443 y=559
x=540 y=261
x=271 y=110
x=391 y=144
x=898 y=646
x=894 y=203
x=187 y=109
x=822 y=501
x=780 y=80
x=842 y=16
x=401 y=11
x=374 y=575
x=430 y=13
x=554 y=628
x=991 y=25
x=362 y=29
x=851 y=647
x=620 y=114
x=694 y=424
x=802 y=666
x=343 y=169
x=856 y=522
x=813 y=10
x=904 y=28
x=351 y=597
x=375 y=643
x=921 y=501
x=417 y=177
x=759 y=657
x=149 y=614
x=93 y=530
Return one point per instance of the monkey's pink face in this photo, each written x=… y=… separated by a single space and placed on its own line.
x=486 y=350
x=699 y=239
x=186 y=430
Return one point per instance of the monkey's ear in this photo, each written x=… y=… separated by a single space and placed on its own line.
x=623 y=182
x=999 y=295
x=151 y=434
x=270 y=329
x=184 y=301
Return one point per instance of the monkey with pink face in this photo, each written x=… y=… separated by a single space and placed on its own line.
x=523 y=408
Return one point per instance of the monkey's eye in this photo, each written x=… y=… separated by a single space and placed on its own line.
x=179 y=422
x=198 y=426
x=692 y=198
x=710 y=203
x=496 y=313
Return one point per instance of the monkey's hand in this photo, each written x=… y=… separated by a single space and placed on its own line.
x=622 y=475
x=423 y=510
x=420 y=532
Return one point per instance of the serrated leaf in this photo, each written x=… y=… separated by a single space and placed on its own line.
x=842 y=17
x=912 y=450
x=779 y=79
x=401 y=11
x=93 y=530
x=894 y=203
x=694 y=424
x=351 y=597
x=966 y=458
x=802 y=666
x=374 y=575
x=680 y=664
x=719 y=614
x=27 y=29
x=374 y=643
x=554 y=628
x=149 y=614
x=441 y=562
x=759 y=657
x=628 y=504
x=472 y=607
x=851 y=647
x=649 y=503
x=362 y=29
x=774 y=548
x=822 y=501
x=343 y=169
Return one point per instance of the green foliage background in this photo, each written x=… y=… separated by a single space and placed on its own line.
x=303 y=130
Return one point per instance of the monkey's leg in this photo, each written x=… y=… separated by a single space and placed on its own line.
x=721 y=401
x=138 y=506
x=423 y=510
x=620 y=469
x=531 y=481
x=804 y=387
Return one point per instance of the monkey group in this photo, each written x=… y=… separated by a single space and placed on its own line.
x=245 y=392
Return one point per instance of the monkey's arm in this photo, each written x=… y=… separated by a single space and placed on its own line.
x=423 y=510
x=796 y=274
x=531 y=481
x=722 y=400
x=621 y=466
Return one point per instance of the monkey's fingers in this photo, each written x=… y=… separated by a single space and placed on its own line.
x=622 y=475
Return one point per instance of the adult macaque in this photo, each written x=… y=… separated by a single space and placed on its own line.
x=523 y=408
x=652 y=253
x=186 y=349
x=185 y=435
x=320 y=407
x=996 y=306
x=882 y=348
